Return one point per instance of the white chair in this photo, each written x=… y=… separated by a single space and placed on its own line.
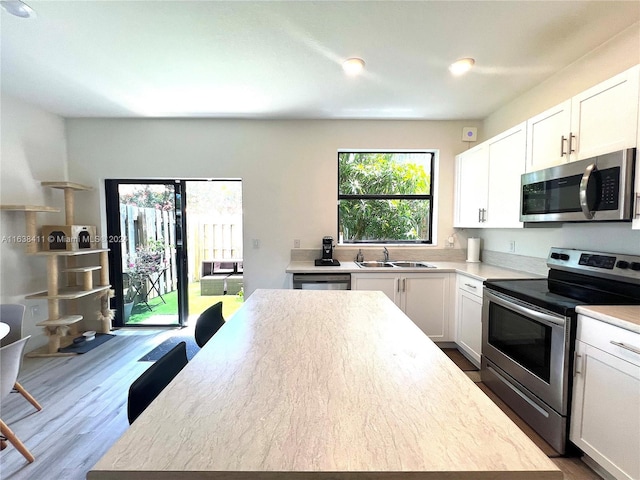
x=10 y=361
x=13 y=315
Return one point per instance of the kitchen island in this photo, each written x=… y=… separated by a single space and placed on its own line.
x=322 y=385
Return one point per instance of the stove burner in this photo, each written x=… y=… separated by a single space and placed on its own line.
x=582 y=282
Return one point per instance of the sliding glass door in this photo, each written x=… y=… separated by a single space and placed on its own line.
x=166 y=265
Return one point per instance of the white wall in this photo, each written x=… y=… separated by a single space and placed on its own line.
x=32 y=149
x=616 y=55
x=288 y=169
x=611 y=58
x=536 y=242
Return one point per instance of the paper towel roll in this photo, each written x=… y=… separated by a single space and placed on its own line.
x=473 y=250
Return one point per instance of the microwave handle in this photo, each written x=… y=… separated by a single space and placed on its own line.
x=584 y=184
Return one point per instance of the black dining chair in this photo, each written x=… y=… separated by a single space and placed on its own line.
x=149 y=385
x=208 y=323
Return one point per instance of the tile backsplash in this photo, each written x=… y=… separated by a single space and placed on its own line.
x=523 y=263
x=376 y=253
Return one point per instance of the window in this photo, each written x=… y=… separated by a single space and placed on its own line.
x=385 y=197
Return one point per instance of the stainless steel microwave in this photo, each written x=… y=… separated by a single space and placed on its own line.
x=596 y=189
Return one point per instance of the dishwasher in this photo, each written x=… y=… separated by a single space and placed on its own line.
x=322 y=281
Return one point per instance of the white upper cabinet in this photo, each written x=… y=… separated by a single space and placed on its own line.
x=604 y=118
x=472 y=185
x=600 y=120
x=488 y=182
x=547 y=135
x=506 y=165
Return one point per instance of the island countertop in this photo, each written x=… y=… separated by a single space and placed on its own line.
x=336 y=385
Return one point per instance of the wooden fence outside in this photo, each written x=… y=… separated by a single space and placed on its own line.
x=212 y=239
x=207 y=239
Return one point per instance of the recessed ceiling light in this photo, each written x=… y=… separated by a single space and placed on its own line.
x=353 y=66
x=461 y=66
x=17 y=8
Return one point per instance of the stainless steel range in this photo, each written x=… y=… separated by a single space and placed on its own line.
x=528 y=332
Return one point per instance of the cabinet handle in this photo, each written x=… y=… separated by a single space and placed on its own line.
x=563 y=139
x=626 y=347
x=484 y=214
x=404 y=284
x=479 y=215
x=572 y=137
x=470 y=286
x=398 y=285
x=575 y=364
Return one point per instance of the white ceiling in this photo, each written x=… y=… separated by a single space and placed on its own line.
x=271 y=59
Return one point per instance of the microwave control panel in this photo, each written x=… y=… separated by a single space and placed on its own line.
x=609 y=188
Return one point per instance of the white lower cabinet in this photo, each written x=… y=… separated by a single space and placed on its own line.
x=605 y=422
x=469 y=316
x=423 y=297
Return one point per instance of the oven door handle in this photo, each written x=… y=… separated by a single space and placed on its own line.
x=541 y=317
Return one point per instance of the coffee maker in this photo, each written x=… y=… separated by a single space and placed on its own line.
x=327 y=254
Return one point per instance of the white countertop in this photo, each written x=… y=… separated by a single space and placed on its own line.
x=481 y=271
x=336 y=385
x=625 y=316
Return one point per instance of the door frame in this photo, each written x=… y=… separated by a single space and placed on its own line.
x=114 y=233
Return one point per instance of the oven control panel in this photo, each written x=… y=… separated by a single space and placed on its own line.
x=598 y=261
x=619 y=266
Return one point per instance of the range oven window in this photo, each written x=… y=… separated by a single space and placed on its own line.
x=522 y=339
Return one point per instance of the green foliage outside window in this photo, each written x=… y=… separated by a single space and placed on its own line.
x=385 y=197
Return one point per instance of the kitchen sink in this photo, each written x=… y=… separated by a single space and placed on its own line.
x=399 y=264
x=407 y=264
x=374 y=264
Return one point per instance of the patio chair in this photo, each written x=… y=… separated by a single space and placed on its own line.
x=10 y=361
x=13 y=315
x=149 y=385
x=208 y=323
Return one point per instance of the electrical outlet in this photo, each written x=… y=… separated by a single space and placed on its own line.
x=296 y=243
x=35 y=310
x=451 y=241
x=512 y=246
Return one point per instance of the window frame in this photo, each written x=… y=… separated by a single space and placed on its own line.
x=431 y=197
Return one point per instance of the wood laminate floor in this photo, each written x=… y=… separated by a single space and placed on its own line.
x=84 y=410
x=84 y=407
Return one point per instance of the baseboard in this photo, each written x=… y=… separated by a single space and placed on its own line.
x=595 y=466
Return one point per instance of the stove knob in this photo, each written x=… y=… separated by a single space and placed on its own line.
x=635 y=266
x=622 y=264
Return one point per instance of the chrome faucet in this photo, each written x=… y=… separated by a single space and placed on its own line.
x=386 y=254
